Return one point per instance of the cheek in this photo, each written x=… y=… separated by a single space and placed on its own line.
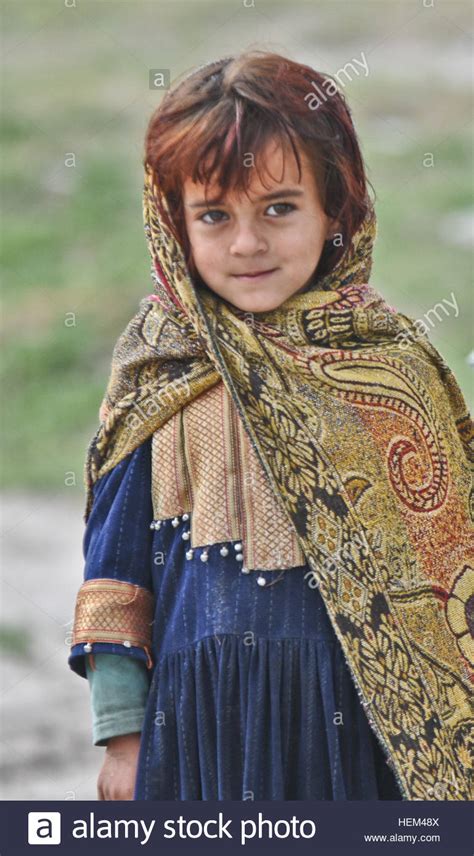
x=204 y=255
x=195 y=245
x=201 y=246
x=304 y=242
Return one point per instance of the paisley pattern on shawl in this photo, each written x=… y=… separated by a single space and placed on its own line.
x=367 y=443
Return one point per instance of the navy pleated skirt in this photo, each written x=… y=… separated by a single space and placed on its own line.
x=251 y=696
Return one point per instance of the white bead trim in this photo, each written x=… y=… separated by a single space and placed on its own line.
x=156 y=524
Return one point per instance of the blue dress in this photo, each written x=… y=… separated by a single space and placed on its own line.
x=250 y=695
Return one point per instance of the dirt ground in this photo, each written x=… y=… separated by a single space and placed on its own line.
x=46 y=737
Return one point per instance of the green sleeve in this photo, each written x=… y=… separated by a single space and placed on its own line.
x=119 y=689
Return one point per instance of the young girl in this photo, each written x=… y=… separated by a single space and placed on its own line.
x=276 y=586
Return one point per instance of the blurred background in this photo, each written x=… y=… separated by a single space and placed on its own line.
x=76 y=99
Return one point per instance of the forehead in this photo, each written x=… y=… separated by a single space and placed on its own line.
x=275 y=166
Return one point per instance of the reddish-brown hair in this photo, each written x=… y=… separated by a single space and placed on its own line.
x=208 y=122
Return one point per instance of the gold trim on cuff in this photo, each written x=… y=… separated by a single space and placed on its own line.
x=109 y=610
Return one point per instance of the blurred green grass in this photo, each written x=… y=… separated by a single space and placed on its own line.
x=73 y=238
x=15 y=641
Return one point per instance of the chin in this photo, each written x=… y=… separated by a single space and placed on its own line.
x=256 y=307
x=260 y=304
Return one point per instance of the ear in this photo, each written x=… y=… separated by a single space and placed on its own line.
x=333 y=226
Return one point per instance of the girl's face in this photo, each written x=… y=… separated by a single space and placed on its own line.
x=279 y=238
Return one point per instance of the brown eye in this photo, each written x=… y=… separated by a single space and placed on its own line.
x=212 y=222
x=283 y=205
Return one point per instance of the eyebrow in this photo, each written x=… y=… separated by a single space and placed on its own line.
x=274 y=195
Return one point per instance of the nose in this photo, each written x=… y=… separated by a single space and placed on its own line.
x=247 y=240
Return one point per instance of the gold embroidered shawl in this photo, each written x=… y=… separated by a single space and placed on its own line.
x=366 y=441
x=203 y=463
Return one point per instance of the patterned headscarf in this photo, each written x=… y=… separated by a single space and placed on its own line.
x=366 y=440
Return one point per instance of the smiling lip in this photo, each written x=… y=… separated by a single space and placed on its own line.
x=254 y=274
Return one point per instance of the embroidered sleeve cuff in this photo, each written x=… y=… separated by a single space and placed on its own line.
x=111 y=616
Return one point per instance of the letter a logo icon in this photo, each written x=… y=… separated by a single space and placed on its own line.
x=44 y=827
